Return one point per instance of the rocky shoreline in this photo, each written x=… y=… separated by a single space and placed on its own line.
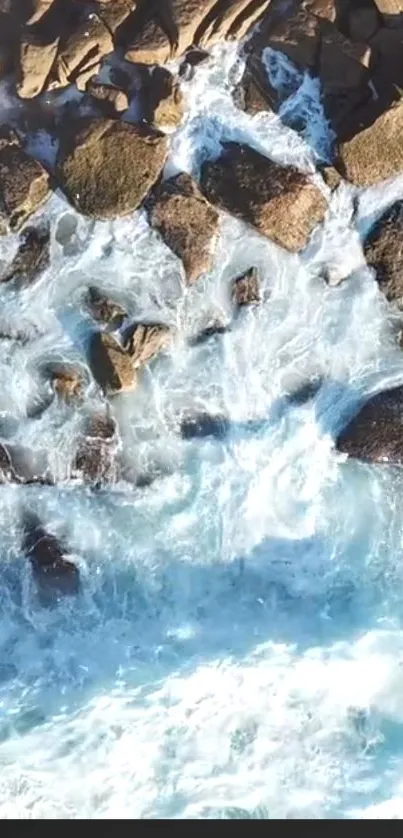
x=103 y=81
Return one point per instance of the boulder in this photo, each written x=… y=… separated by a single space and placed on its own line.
x=187 y=223
x=54 y=575
x=331 y=177
x=114 y=13
x=327 y=9
x=95 y=460
x=387 y=50
x=375 y=434
x=32 y=257
x=342 y=64
x=279 y=201
x=144 y=341
x=111 y=365
x=107 y=168
x=67 y=383
x=164 y=104
x=80 y=52
x=151 y=45
x=111 y=100
x=103 y=309
x=177 y=27
x=297 y=35
x=35 y=63
x=233 y=19
x=376 y=153
x=201 y=425
x=24 y=186
x=246 y=288
x=383 y=249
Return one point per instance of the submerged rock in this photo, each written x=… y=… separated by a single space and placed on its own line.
x=375 y=434
x=383 y=249
x=103 y=309
x=106 y=167
x=215 y=328
x=246 y=288
x=111 y=100
x=32 y=257
x=203 y=425
x=187 y=223
x=112 y=367
x=281 y=202
x=22 y=465
x=54 y=575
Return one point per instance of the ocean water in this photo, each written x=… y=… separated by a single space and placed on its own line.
x=237 y=648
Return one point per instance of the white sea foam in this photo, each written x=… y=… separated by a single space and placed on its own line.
x=237 y=648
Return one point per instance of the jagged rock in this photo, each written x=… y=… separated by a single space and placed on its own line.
x=376 y=153
x=111 y=365
x=187 y=223
x=80 y=52
x=24 y=186
x=327 y=9
x=67 y=383
x=35 y=63
x=255 y=93
x=95 y=460
x=383 y=249
x=331 y=176
x=203 y=425
x=164 y=105
x=108 y=98
x=342 y=64
x=246 y=288
x=176 y=30
x=298 y=37
x=115 y=12
x=150 y=46
x=38 y=8
x=280 y=201
x=143 y=341
x=108 y=167
x=375 y=434
x=32 y=256
x=103 y=309
x=233 y=19
x=55 y=575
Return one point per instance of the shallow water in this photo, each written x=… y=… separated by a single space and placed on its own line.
x=237 y=649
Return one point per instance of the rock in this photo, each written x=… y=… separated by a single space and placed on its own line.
x=143 y=341
x=192 y=59
x=103 y=309
x=363 y=22
x=298 y=37
x=246 y=288
x=279 y=201
x=383 y=249
x=32 y=257
x=187 y=223
x=342 y=64
x=392 y=10
x=108 y=98
x=95 y=460
x=38 y=8
x=35 y=63
x=232 y=20
x=24 y=186
x=387 y=49
x=213 y=329
x=331 y=176
x=375 y=434
x=164 y=104
x=255 y=93
x=305 y=393
x=179 y=26
x=108 y=168
x=67 y=383
x=55 y=575
x=111 y=365
x=203 y=425
x=115 y=12
x=376 y=153
x=151 y=45
x=327 y=9
x=81 y=51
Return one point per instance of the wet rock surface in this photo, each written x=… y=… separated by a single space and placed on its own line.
x=383 y=249
x=144 y=341
x=111 y=365
x=375 y=434
x=24 y=185
x=103 y=309
x=246 y=289
x=32 y=257
x=55 y=575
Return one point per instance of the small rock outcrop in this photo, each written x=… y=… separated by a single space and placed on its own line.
x=375 y=434
x=246 y=289
x=187 y=223
x=202 y=425
x=112 y=367
x=67 y=383
x=32 y=257
x=95 y=461
x=54 y=574
x=109 y=99
x=376 y=153
x=144 y=341
x=383 y=249
x=164 y=104
x=279 y=201
x=24 y=184
x=103 y=309
x=106 y=167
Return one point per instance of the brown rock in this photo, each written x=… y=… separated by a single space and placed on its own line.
x=150 y=46
x=108 y=168
x=375 y=434
x=111 y=365
x=24 y=186
x=55 y=575
x=279 y=201
x=38 y=8
x=331 y=176
x=179 y=25
x=35 y=63
x=32 y=256
x=67 y=383
x=110 y=99
x=342 y=64
x=376 y=153
x=246 y=288
x=164 y=105
x=144 y=341
x=115 y=12
x=95 y=460
x=80 y=52
x=255 y=93
x=327 y=9
x=187 y=223
x=383 y=249
x=298 y=37
x=232 y=19
x=103 y=309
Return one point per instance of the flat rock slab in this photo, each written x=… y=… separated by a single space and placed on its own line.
x=281 y=202
x=376 y=433
x=383 y=250
x=111 y=365
x=106 y=168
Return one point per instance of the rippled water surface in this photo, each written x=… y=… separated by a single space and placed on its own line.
x=237 y=649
